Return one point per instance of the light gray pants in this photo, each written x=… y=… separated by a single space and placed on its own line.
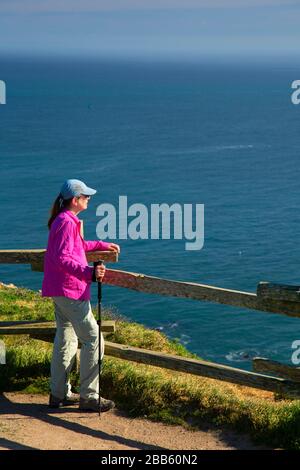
x=75 y=320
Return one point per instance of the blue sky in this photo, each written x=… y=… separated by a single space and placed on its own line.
x=156 y=28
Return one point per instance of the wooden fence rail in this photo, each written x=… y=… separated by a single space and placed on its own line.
x=45 y=328
x=262 y=364
x=203 y=292
x=205 y=369
x=36 y=257
x=283 y=304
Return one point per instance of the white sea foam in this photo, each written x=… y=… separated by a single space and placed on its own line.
x=242 y=355
x=208 y=149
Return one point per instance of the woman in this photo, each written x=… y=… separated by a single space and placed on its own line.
x=67 y=279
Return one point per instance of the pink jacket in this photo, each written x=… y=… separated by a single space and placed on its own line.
x=66 y=271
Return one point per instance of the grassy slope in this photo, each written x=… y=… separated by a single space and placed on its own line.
x=146 y=390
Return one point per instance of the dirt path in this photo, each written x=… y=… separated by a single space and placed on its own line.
x=27 y=423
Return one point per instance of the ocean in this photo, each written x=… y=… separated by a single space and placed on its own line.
x=225 y=135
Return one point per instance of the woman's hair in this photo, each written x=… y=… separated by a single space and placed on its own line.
x=59 y=205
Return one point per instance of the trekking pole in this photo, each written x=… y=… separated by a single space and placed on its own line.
x=99 y=263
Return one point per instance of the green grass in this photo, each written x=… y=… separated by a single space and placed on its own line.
x=145 y=390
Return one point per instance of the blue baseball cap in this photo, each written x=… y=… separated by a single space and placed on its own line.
x=72 y=188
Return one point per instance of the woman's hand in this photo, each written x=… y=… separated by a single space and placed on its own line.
x=99 y=272
x=114 y=247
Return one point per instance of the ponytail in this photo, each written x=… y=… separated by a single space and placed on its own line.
x=59 y=205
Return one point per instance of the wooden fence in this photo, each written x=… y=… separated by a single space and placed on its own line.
x=271 y=298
